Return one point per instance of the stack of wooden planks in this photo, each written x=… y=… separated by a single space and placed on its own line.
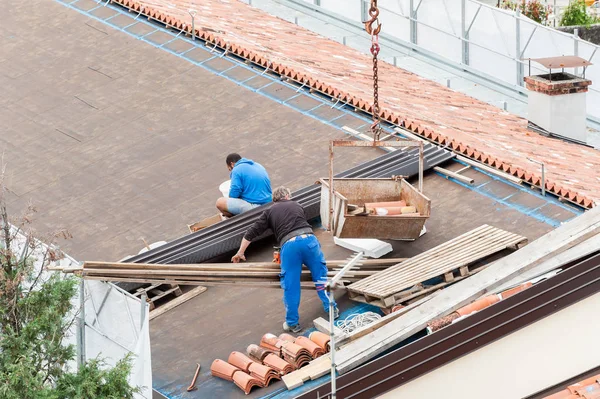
x=450 y=262
x=265 y=274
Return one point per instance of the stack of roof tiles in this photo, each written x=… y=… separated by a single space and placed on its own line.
x=274 y=357
x=587 y=389
x=471 y=127
x=294 y=354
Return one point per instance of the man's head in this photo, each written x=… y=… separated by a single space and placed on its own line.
x=231 y=160
x=281 y=193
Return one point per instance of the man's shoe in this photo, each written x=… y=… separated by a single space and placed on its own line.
x=295 y=329
x=336 y=313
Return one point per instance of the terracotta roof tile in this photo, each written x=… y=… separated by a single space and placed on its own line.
x=278 y=364
x=246 y=382
x=477 y=129
x=240 y=361
x=314 y=349
x=272 y=343
x=222 y=369
x=586 y=389
x=257 y=352
x=320 y=339
x=263 y=373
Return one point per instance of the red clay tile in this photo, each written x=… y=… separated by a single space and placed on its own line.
x=293 y=349
x=246 y=382
x=564 y=394
x=258 y=352
x=591 y=391
x=516 y=290
x=314 y=349
x=479 y=304
x=240 y=361
x=580 y=384
x=295 y=354
x=263 y=373
x=222 y=369
x=287 y=337
x=271 y=342
x=320 y=339
x=585 y=389
x=278 y=364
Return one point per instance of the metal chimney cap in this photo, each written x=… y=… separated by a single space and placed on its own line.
x=565 y=61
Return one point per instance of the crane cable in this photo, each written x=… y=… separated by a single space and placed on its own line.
x=373 y=27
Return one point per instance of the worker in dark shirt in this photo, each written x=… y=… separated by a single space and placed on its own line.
x=299 y=246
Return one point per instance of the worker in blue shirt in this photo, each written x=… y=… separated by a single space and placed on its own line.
x=250 y=186
x=287 y=220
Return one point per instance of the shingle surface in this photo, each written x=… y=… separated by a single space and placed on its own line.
x=477 y=129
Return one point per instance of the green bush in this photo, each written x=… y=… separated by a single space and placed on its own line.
x=35 y=318
x=575 y=14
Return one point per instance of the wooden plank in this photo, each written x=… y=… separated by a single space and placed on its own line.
x=585 y=248
x=268 y=266
x=259 y=284
x=454 y=175
x=460 y=294
x=177 y=301
x=323 y=325
x=489 y=169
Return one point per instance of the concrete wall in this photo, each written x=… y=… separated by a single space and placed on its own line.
x=536 y=357
x=591 y=34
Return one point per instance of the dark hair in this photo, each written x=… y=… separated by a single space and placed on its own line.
x=232 y=158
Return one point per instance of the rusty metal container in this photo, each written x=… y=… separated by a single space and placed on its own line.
x=361 y=191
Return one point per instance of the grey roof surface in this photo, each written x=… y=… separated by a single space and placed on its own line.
x=117 y=140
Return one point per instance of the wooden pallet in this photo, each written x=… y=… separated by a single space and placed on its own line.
x=420 y=290
x=452 y=261
x=156 y=291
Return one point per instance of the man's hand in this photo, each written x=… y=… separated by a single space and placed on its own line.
x=238 y=257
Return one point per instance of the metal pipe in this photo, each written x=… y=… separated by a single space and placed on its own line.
x=193 y=15
x=463 y=32
x=421 y=160
x=332 y=341
x=330 y=221
x=518 y=47
x=330 y=285
x=143 y=310
x=81 y=326
x=576 y=46
x=543 y=175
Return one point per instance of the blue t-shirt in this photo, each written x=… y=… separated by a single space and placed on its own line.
x=250 y=182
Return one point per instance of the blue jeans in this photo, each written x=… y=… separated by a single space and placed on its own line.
x=304 y=249
x=237 y=206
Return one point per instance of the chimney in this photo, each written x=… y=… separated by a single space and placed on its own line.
x=557 y=100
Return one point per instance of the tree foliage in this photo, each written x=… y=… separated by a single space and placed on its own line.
x=36 y=313
x=533 y=9
x=576 y=15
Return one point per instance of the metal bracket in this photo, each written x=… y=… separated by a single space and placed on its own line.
x=543 y=175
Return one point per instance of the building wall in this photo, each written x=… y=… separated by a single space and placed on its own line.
x=590 y=33
x=552 y=350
